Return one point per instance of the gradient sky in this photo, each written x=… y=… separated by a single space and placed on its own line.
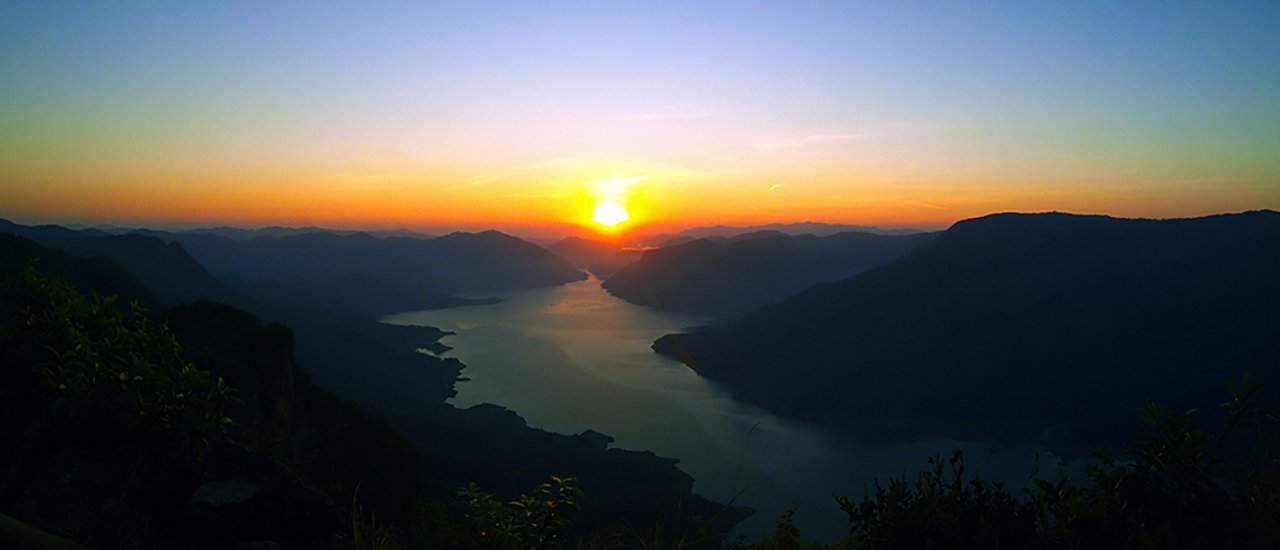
x=525 y=115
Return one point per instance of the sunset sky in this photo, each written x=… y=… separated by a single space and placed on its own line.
x=528 y=116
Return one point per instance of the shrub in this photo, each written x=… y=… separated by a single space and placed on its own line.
x=102 y=368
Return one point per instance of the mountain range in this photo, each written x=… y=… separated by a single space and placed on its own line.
x=353 y=272
x=1015 y=326
x=733 y=275
x=797 y=228
x=377 y=368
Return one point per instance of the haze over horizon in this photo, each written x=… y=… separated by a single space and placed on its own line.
x=530 y=119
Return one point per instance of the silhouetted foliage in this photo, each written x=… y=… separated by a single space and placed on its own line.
x=103 y=369
x=535 y=520
x=1183 y=488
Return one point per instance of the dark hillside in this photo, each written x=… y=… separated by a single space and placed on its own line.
x=1012 y=325
x=738 y=274
x=88 y=275
x=165 y=268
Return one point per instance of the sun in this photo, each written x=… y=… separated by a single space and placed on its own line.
x=609 y=214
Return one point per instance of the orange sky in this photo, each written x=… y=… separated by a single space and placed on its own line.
x=524 y=119
x=559 y=197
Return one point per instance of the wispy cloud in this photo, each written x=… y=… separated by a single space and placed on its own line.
x=369 y=181
x=810 y=140
x=801 y=141
x=775 y=187
x=481 y=180
x=561 y=163
x=934 y=206
x=675 y=112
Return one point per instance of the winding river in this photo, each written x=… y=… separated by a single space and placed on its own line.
x=574 y=357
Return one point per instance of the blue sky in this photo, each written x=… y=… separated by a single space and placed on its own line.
x=1096 y=105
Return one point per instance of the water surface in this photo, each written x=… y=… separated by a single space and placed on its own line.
x=574 y=357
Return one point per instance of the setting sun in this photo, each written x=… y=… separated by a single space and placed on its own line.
x=609 y=214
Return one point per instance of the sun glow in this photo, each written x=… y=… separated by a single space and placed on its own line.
x=610 y=205
x=609 y=214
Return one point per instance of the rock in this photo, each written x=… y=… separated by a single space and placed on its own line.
x=246 y=496
x=110 y=497
x=221 y=493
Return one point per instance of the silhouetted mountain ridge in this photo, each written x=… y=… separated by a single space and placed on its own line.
x=352 y=272
x=46 y=232
x=1016 y=325
x=715 y=232
x=165 y=268
x=742 y=273
x=601 y=258
x=454 y=263
x=87 y=275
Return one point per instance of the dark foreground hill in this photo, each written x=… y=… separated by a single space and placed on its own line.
x=1020 y=326
x=737 y=275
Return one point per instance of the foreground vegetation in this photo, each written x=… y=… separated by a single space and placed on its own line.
x=1180 y=487
x=86 y=379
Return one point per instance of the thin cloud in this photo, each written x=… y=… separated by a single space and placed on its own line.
x=819 y=139
x=934 y=206
x=803 y=141
x=675 y=112
x=370 y=182
x=775 y=187
x=561 y=163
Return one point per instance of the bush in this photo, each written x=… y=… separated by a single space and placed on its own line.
x=1184 y=487
x=102 y=369
x=535 y=520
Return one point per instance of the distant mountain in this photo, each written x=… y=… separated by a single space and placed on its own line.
x=740 y=273
x=355 y=273
x=46 y=233
x=361 y=292
x=454 y=263
x=165 y=268
x=799 y=228
x=720 y=239
x=601 y=258
x=1022 y=326
x=171 y=275
x=239 y=233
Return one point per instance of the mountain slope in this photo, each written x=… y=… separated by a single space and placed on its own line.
x=164 y=268
x=86 y=275
x=46 y=233
x=1012 y=325
x=740 y=274
x=601 y=258
x=374 y=367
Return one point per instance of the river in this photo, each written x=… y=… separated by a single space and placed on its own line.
x=574 y=357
